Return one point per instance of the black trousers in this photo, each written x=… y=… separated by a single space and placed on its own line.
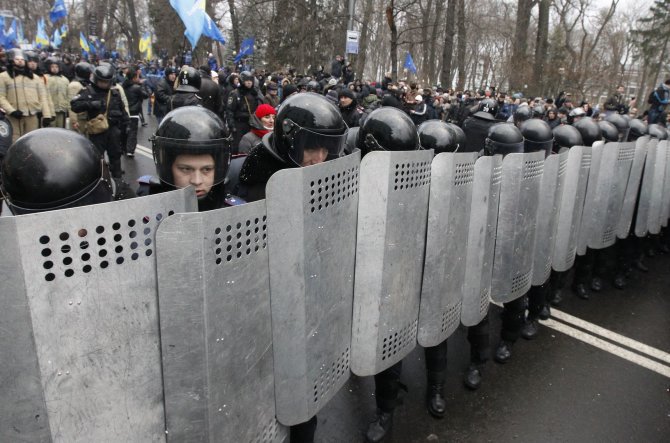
x=110 y=141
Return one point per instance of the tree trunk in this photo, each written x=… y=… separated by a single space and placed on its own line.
x=394 y=40
x=432 y=56
x=520 y=44
x=425 y=47
x=134 y=29
x=448 y=48
x=363 y=40
x=541 y=46
x=460 y=60
x=234 y=25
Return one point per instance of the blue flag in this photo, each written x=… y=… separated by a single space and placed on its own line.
x=57 y=40
x=246 y=48
x=212 y=31
x=192 y=14
x=9 y=35
x=58 y=11
x=41 y=39
x=409 y=64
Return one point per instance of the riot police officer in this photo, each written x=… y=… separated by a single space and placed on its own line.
x=191 y=147
x=53 y=168
x=476 y=126
x=101 y=99
x=188 y=88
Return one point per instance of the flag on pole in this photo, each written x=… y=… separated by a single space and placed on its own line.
x=84 y=43
x=212 y=31
x=9 y=36
x=58 y=11
x=57 y=40
x=41 y=38
x=246 y=48
x=145 y=46
x=191 y=14
x=409 y=64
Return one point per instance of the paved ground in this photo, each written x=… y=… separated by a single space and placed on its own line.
x=574 y=383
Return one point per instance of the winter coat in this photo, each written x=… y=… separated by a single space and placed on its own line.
x=58 y=87
x=24 y=92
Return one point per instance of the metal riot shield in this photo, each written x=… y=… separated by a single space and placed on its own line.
x=646 y=190
x=481 y=239
x=603 y=204
x=390 y=244
x=656 y=206
x=312 y=239
x=551 y=190
x=571 y=207
x=452 y=176
x=216 y=334
x=517 y=218
x=591 y=206
x=632 y=187
x=665 y=203
x=80 y=336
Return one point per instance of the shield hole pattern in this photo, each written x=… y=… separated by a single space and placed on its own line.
x=563 y=166
x=395 y=342
x=451 y=316
x=484 y=301
x=239 y=240
x=465 y=174
x=496 y=177
x=83 y=249
x=586 y=160
x=328 y=191
x=626 y=154
x=608 y=235
x=270 y=432
x=411 y=175
x=520 y=281
x=330 y=376
x=532 y=169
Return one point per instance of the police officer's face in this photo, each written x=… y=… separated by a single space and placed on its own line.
x=32 y=65
x=314 y=156
x=54 y=68
x=194 y=170
x=19 y=62
x=248 y=84
x=172 y=77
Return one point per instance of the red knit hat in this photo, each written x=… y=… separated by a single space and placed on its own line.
x=265 y=109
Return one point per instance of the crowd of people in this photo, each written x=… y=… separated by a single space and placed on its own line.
x=271 y=122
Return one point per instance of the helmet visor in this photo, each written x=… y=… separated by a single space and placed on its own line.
x=166 y=150
x=303 y=139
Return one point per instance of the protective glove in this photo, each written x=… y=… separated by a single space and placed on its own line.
x=17 y=114
x=95 y=105
x=46 y=121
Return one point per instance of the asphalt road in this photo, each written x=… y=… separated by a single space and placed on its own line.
x=598 y=372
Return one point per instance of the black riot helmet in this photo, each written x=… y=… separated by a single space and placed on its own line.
x=170 y=70
x=188 y=80
x=103 y=75
x=538 y=111
x=313 y=86
x=388 y=129
x=83 y=71
x=305 y=122
x=31 y=56
x=637 y=129
x=589 y=130
x=537 y=136
x=576 y=114
x=51 y=61
x=566 y=136
x=621 y=124
x=438 y=136
x=191 y=130
x=522 y=114
x=503 y=138
x=488 y=105
x=246 y=75
x=458 y=134
x=608 y=131
x=657 y=131
x=351 y=142
x=15 y=53
x=54 y=168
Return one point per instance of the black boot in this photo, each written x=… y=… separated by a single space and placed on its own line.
x=619 y=282
x=380 y=427
x=596 y=284
x=435 y=402
x=503 y=351
x=640 y=266
x=580 y=291
x=473 y=377
x=544 y=313
x=529 y=330
x=555 y=297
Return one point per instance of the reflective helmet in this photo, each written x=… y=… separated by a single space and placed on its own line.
x=637 y=129
x=458 y=134
x=657 y=131
x=621 y=124
x=83 y=70
x=608 y=131
x=576 y=114
x=54 y=168
x=191 y=130
x=170 y=70
x=104 y=72
x=31 y=56
x=437 y=135
x=522 y=114
x=314 y=86
x=538 y=111
x=307 y=121
x=388 y=129
x=566 y=136
x=589 y=130
x=15 y=53
x=537 y=136
x=246 y=75
x=351 y=140
x=188 y=80
x=51 y=61
x=488 y=105
x=503 y=138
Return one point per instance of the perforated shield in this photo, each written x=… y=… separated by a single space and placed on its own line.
x=593 y=203
x=551 y=190
x=481 y=239
x=603 y=206
x=80 y=299
x=216 y=334
x=656 y=204
x=646 y=191
x=452 y=177
x=390 y=244
x=571 y=207
x=517 y=218
x=665 y=202
x=632 y=187
x=312 y=237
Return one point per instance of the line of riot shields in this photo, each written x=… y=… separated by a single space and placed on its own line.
x=144 y=320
